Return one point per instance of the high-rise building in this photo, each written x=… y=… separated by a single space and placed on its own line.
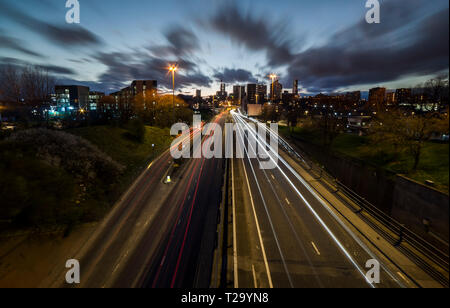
x=94 y=99
x=198 y=93
x=222 y=94
x=72 y=97
x=354 y=96
x=251 y=93
x=262 y=93
x=390 y=98
x=403 y=96
x=277 y=90
x=377 y=97
x=141 y=86
x=238 y=93
x=295 y=87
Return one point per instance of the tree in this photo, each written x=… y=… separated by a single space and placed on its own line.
x=408 y=131
x=137 y=130
x=37 y=85
x=436 y=92
x=106 y=107
x=292 y=116
x=329 y=125
x=10 y=84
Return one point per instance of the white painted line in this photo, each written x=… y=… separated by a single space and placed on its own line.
x=315 y=248
x=319 y=219
x=267 y=213
x=255 y=282
x=403 y=277
x=235 y=258
x=269 y=277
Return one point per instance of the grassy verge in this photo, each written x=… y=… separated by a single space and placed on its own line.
x=434 y=162
x=52 y=180
x=115 y=142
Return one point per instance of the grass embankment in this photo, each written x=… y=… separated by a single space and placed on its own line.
x=117 y=143
x=433 y=165
x=59 y=179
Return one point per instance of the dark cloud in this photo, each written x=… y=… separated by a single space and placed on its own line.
x=360 y=55
x=254 y=32
x=11 y=43
x=58 y=69
x=93 y=86
x=124 y=67
x=181 y=42
x=51 y=69
x=228 y=75
x=407 y=42
x=62 y=35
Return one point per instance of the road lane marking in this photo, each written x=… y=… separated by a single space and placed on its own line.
x=272 y=176
x=319 y=219
x=254 y=277
x=403 y=277
x=267 y=212
x=287 y=201
x=269 y=277
x=235 y=258
x=315 y=248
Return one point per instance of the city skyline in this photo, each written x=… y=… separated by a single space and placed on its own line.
x=238 y=43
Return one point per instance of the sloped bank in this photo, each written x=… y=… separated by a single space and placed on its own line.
x=422 y=209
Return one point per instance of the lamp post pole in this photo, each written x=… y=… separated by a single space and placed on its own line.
x=173 y=69
x=273 y=76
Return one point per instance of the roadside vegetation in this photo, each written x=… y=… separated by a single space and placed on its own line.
x=54 y=179
x=433 y=164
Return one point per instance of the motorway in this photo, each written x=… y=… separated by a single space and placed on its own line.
x=158 y=234
x=164 y=235
x=285 y=236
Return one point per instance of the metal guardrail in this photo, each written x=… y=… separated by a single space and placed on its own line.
x=402 y=235
x=391 y=226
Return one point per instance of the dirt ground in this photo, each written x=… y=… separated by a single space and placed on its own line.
x=27 y=261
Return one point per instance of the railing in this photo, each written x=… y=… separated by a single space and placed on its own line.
x=396 y=233
x=392 y=230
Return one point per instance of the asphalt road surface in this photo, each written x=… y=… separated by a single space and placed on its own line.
x=159 y=234
x=285 y=237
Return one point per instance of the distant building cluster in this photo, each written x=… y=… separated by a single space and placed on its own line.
x=73 y=98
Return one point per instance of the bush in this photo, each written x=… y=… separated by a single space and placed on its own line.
x=136 y=130
x=51 y=177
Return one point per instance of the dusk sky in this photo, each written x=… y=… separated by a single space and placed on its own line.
x=325 y=44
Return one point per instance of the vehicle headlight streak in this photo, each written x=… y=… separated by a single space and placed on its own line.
x=360 y=243
x=338 y=243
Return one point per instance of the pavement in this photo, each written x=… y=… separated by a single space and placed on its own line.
x=153 y=236
x=287 y=236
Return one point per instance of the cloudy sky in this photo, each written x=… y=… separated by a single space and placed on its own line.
x=325 y=44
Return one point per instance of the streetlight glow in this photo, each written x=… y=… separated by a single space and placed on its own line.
x=273 y=77
x=173 y=68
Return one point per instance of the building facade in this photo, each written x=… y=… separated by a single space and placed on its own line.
x=71 y=97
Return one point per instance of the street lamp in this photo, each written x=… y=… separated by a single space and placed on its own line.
x=273 y=77
x=173 y=69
